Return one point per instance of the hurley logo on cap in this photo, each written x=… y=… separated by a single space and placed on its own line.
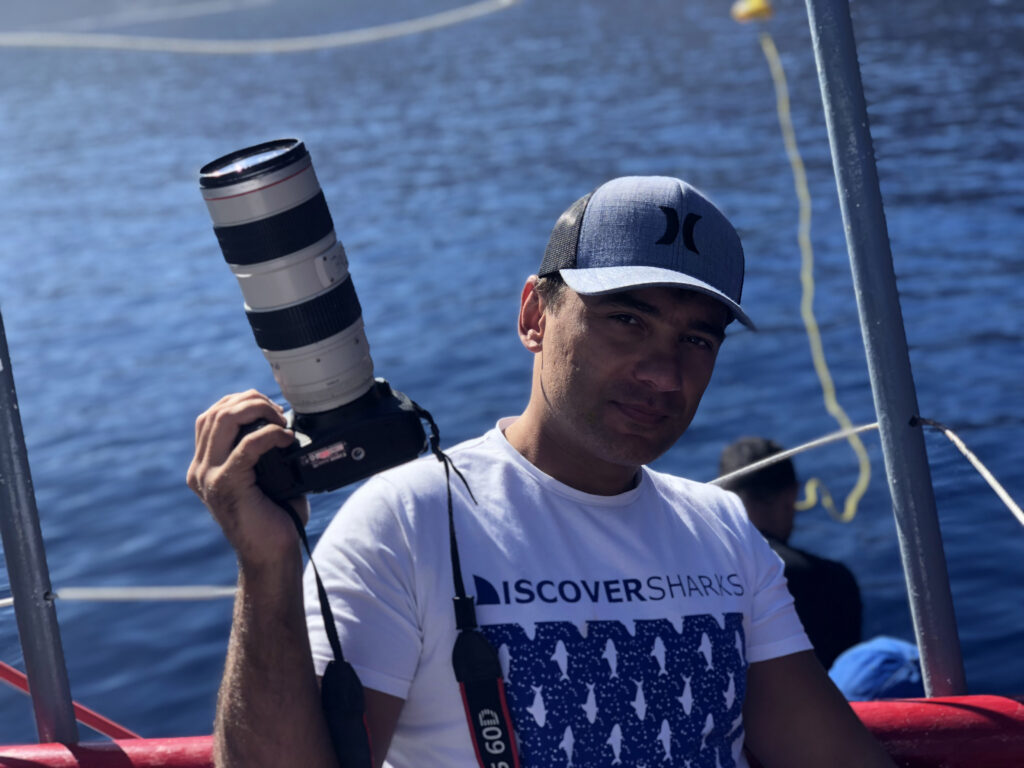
x=672 y=228
x=626 y=234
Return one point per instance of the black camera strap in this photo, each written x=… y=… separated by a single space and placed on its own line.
x=476 y=663
x=341 y=693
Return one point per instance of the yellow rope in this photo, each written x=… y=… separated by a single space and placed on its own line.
x=828 y=389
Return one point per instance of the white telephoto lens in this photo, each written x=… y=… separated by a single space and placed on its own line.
x=277 y=236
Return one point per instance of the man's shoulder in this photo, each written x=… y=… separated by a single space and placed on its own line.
x=412 y=493
x=427 y=473
x=704 y=500
x=695 y=490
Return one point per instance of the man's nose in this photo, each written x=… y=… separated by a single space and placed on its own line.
x=660 y=369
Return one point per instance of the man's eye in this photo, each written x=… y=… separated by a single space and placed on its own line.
x=700 y=342
x=624 y=319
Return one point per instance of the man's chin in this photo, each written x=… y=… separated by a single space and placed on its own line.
x=632 y=449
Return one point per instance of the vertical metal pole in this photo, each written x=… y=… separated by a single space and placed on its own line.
x=881 y=321
x=29 y=576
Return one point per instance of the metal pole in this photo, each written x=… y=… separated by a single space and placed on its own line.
x=881 y=321
x=26 y=568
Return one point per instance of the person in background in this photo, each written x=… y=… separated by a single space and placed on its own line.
x=825 y=592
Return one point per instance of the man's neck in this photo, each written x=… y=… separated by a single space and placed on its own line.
x=545 y=451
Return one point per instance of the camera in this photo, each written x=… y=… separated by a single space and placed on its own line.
x=277 y=236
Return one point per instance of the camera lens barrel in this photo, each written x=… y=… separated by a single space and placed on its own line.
x=276 y=233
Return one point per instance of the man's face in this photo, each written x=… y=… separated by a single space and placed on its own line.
x=622 y=374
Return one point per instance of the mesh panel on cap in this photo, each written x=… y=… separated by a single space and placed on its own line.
x=565 y=237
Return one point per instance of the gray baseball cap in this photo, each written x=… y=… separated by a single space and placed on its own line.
x=646 y=231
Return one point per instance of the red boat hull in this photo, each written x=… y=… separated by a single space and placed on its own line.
x=954 y=732
x=190 y=752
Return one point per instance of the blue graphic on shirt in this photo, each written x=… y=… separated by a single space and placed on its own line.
x=609 y=697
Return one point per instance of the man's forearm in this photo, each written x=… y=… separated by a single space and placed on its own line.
x=268 y=709
x=795 y=717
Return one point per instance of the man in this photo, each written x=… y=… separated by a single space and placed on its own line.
x=639 y=618
x=825 y=592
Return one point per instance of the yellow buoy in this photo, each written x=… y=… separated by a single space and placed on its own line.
x=751 y=10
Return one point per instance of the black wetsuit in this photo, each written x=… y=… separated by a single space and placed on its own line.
x=827 y=600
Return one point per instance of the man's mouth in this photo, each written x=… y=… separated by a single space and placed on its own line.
x=642 y=414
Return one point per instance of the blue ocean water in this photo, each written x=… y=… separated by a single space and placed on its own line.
x=445 y=158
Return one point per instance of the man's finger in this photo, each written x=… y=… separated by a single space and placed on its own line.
x=219 y=430
x=255 y=444
x=235 y=476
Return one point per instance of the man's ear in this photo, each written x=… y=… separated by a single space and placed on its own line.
x=532 y=317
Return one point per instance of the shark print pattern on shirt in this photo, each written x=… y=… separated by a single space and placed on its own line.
x=611 y=697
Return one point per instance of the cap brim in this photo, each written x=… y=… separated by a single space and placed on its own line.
x=598 y=280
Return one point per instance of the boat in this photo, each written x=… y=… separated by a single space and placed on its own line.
x=941 y=732
x=946 y=728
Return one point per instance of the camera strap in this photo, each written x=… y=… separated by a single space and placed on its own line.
x=341 y=693
x=476 y=663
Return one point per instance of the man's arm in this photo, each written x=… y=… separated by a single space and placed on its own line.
x=795 y=717
x=268 y=709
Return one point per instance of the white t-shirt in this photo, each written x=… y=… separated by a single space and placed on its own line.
x=624 y=624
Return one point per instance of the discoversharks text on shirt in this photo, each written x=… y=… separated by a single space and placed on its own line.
x=666 y=587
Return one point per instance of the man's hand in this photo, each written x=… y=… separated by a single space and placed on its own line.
x=223 y=475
